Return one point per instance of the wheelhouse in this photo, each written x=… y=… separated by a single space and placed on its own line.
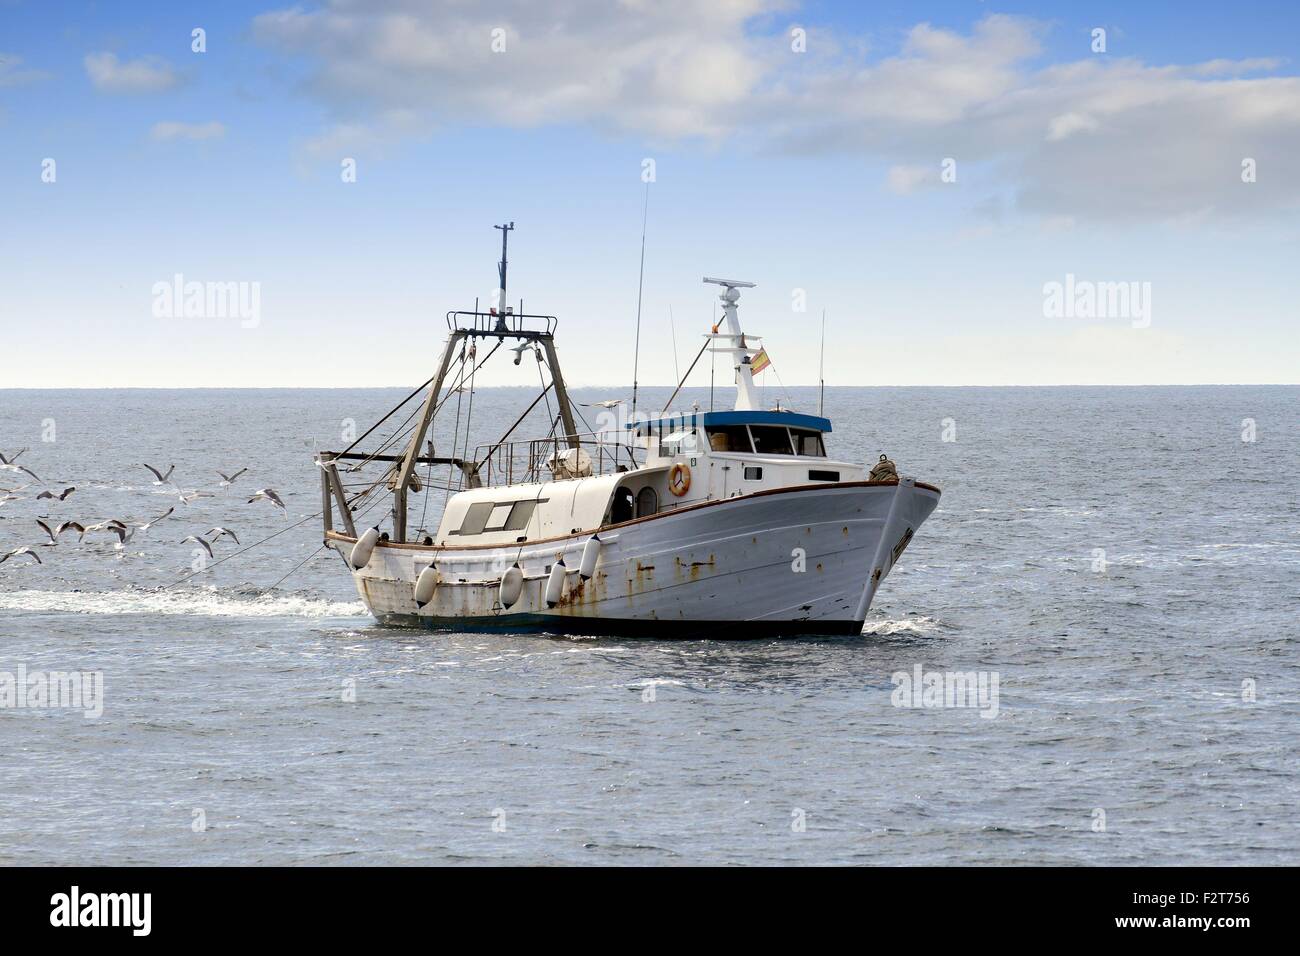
x=766 y=434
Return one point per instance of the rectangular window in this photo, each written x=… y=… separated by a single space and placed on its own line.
x=771 y=440
x=729 y=438
x=753 y=474
x=816 y=475
x=520 y=514
x=476 y=518
x=808 y=443
x=497 y=519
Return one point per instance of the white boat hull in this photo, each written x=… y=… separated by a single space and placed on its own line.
x=801 y=560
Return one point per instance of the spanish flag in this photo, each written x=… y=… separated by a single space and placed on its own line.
x=759 y=362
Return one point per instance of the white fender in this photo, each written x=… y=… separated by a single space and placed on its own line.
x=512 y=585
x=555 y=583
x=590 y=552
x=362 y=550
x=425 y=585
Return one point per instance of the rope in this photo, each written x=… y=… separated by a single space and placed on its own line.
x=235 y=554
x=297 y=568
x=389 y=415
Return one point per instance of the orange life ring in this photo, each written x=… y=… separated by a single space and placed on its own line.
x=679 y=479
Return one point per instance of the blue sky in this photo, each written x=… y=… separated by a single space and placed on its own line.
x=818 y=170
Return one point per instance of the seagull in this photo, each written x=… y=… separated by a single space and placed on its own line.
x=519 y=350
x=153 y=521
x=607 y=403
x=197 y=540
x=267 y=494
x=192 y=496
x=123 y=534
x=112 y=524
x=54 y=534
x=162 y=479
x=219 y=531
x=50 y=494
x=229 y=479
x=17 y=551
x=9 y=466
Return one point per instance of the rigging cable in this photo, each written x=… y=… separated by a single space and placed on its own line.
x=640 y=282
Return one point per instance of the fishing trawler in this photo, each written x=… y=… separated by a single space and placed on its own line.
x=682 y=524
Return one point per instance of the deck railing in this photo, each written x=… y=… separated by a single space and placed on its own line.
x=553 y=457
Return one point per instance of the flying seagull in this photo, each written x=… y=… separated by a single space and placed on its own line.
x=219 y=531
x=17 y=551
x=111 y=524
x=123 y=534
x=162 y=479
x=197 y=540
x=229 y=479
x=153 y=521
x=9 y=466
x=267 y=494
x=58 y=530
x=50 y=494
x=192 y=496
x=607 y=403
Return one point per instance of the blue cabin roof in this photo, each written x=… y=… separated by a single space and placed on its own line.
x=790 y=419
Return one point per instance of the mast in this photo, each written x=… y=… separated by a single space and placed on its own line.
x=640 y=283
x=472 y=325
x=501 y=268
x=821 y=367
x=746 y=394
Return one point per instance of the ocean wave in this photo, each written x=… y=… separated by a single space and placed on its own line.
x=913 y=625
x=199 y=603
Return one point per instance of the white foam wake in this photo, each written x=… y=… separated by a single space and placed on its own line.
x=920 y=625
x=205 y=603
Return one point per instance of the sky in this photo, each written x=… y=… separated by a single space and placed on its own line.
x=974 y=193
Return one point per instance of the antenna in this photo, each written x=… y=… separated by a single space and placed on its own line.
x=672 y=326
x=501 y=266
x=746 y=396
x=640 y=281
x=821 y=368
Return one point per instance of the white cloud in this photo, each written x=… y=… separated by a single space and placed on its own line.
x=12 y=75
x=145 y=75
x=908 y=179
x=1100 y=138
x=192 y=131
x=1067 y=124
x=669 y=68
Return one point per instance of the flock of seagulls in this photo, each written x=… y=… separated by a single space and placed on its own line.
x=123 y=530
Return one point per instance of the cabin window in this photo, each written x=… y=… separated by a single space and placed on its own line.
x=754 y=473
x=771 y=440
x=815 y=475
x=729 y=438
x=521 y=512
x=498 y=516
x=497 y=519
x=808 y=443
x=647 y=502
x=679 y=443
x=476 y=518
